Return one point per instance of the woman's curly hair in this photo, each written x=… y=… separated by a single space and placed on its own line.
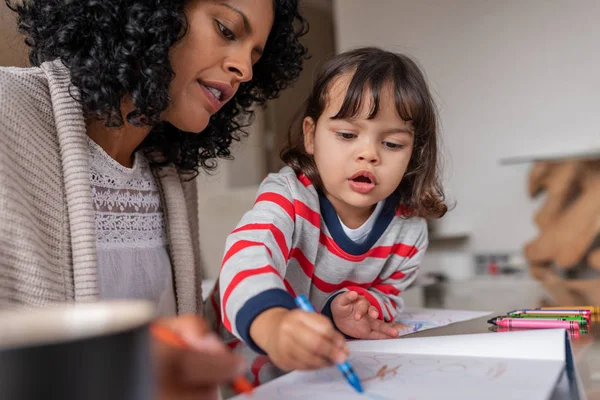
x=115 y=48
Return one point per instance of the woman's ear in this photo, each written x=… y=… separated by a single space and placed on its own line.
x=308 y=130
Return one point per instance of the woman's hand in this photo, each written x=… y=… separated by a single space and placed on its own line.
x=193 y=373
x=356 y=317
x=297 y=339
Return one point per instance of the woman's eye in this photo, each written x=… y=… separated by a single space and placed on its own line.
x=346 y=135
x=226 y=32
x=393 y=146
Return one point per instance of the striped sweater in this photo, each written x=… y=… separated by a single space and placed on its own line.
x=292 y=242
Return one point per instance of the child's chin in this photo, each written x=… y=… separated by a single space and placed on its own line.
x=362 y=201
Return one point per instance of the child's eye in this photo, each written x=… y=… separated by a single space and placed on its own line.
x=346 y=135
x=393 y=146
x=226 y=32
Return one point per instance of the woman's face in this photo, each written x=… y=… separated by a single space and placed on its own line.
x=224 y=40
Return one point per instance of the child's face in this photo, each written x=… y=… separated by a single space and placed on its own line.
x=360 y=161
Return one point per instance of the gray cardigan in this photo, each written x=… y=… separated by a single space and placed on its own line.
x=47 y=237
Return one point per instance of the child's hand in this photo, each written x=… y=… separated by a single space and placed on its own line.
x=356 y=317
x=295 y=339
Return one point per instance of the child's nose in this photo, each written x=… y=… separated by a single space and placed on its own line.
x=369 y=154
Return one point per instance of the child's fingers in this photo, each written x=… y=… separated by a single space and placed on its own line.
x=382 y=330
x=347 y=298
x=309 y=354
x=361 y=307
x=373 y=313
x=320 y=338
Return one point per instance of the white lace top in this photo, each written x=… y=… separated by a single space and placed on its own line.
x=131 y=240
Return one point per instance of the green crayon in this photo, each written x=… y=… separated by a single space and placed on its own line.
x=581 y=320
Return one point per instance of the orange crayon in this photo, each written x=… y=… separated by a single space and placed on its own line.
x=240 y=384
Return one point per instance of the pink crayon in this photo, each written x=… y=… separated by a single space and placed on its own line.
x=533 y=324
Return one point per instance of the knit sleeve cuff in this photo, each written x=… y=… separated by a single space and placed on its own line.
x=256 y=305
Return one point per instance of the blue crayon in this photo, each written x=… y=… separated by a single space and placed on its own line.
x=345 y=367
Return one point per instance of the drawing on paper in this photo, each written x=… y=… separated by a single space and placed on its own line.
x=381 y=373
x=466 y=367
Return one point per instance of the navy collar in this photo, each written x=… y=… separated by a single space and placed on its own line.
x=339 y=236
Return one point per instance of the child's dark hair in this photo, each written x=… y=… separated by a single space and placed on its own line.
x=420 y=191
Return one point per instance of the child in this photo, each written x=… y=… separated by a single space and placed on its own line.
x=344 y=222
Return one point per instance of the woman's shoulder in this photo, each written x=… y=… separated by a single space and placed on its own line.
x=27 y=125
x=17 y=78
x=22 y=91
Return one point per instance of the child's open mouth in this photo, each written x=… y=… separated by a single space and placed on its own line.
x=362 y=182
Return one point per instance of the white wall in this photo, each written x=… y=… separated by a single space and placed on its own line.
x=511 y=77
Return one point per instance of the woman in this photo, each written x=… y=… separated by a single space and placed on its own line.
x=101 y=140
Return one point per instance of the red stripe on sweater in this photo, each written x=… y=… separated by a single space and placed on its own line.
x=333 y=287
x=241 y=245
x=332 y=247
x=304 y=211
x=388 y=310
x=399 y=249
x=403 y=210
x=277 y=234
x=404 y=250
x=304 y=179
x=237 y=279
x=305 y=264
x=367 y=295
x=281 y=201
x=387 y=289
x=397 y=275
x=324 y=286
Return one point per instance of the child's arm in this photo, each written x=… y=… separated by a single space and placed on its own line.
x=255 y=260
x=256 y=300
x=382 y=301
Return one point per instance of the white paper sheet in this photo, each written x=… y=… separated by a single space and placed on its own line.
x=462 y=366
x=417 y=377
x=420 y=319
x=535 y=344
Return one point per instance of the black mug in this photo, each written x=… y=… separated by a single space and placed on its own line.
x=95 y=351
